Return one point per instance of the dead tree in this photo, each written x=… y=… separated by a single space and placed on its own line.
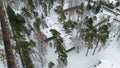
x=74 y=8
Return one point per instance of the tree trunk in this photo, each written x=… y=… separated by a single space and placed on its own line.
x=95 y=47
x=101 y=22
x=87 y=51
x=19 y=49
x=8 y=48
x=111 y=11
x=73 y=8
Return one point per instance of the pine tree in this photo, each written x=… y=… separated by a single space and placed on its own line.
x=17 y=23
x=62 y=56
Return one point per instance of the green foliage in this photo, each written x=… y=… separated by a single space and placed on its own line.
x=32 y=43
x=59 y=47
x=54 y=33
x=89 y=7
x=30 y=3
x=94 y=18
x=89 y=23
x=50 y=64
x=110 y=5
x=32 y=7
x=69 y=25
x=27 y=45
x=23 y=47
x=91 y=34
x=26 y=12
x=52 y=2
x=61 y=50
x=103 y=33
x=20 y=19
x=62 y=2
x=96 y=8
x=80 y=9
x=117 y=4
x=26 y=59
x=28 y=31
x=35 y=13
x=17 y=21
x=37 y=25
x=58 y=9
x=62 y=17
x=11 y=13
x=40 y=1
x=44 y=6
x=47 y=4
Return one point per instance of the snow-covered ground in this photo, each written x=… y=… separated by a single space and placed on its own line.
x=109 y=56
